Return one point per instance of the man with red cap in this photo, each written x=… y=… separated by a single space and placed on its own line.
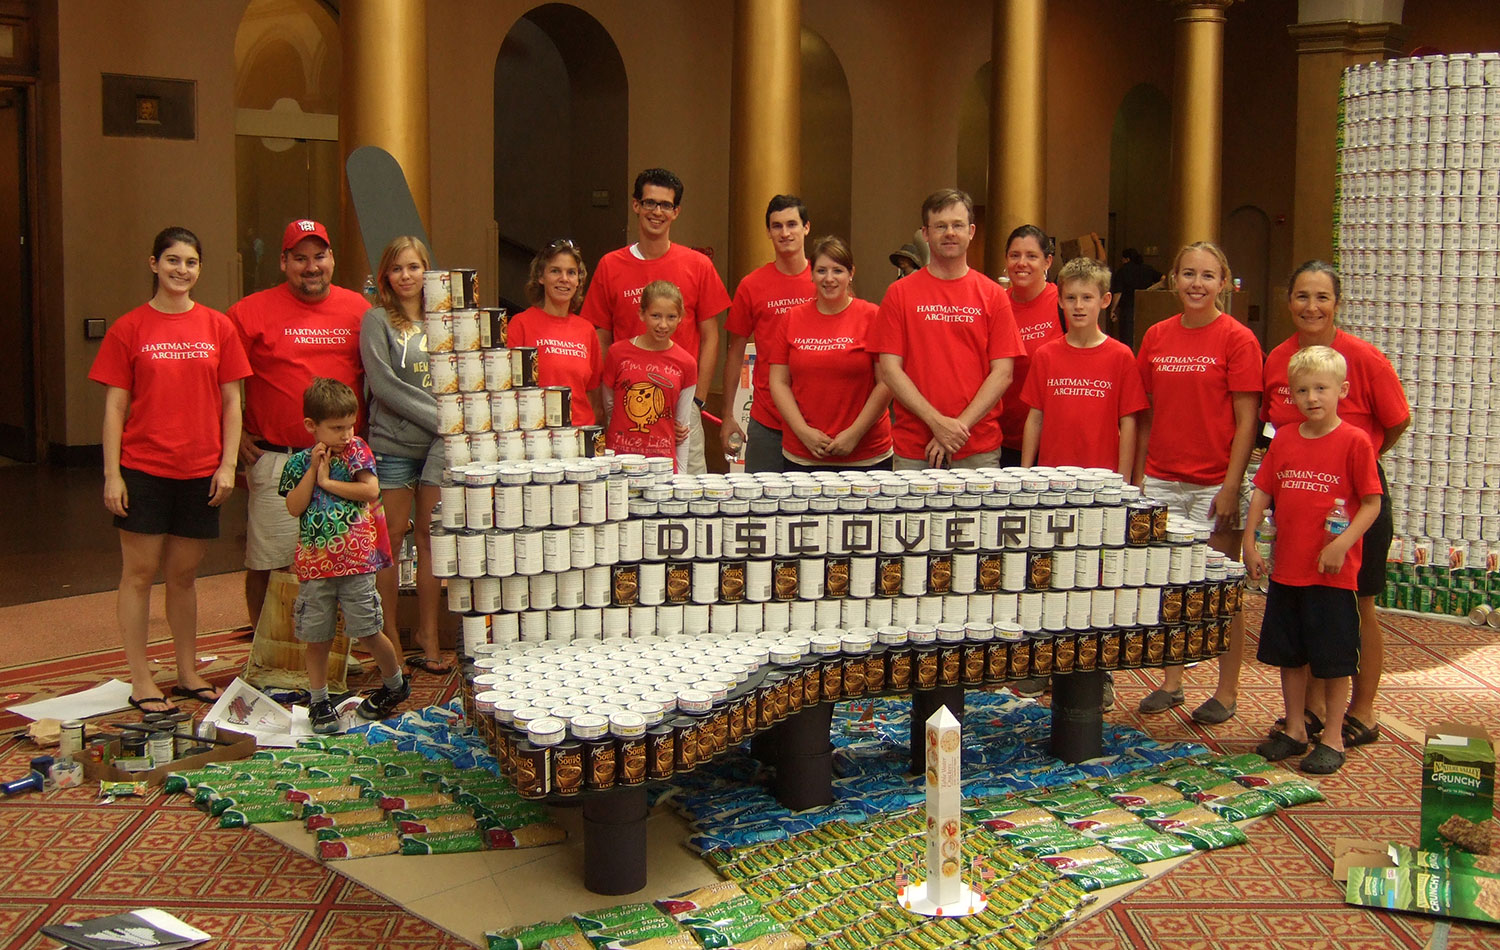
x=299 y=329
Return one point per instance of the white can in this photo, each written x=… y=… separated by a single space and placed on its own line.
x=1127 y=606
x=486 y=596
x=461 y=595
x=484 y=447
x=505 y=414
x=557 y=550
x=607 y=543
x=536 y=505
x=1148 y=611
x=528 y=551
x=443 y=368
x=439 y=329
x=470 y=371
x=450 y=414
x=452 y=497
x=435 y=293
x=758 y=581
x=476 y=632
x=862 y=577
x=444 y=548
x=476 y=409
x=465 y=331
x=456 y=449
x=1064 y=568
x=596 y=587
x=538 y=444
x=529 y=408
x=543 y=591
x=470 y=554
x=581 y=542
x=497 y=369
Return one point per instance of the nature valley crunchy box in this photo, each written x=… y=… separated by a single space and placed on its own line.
x=1458 y=787
x=1441 y=891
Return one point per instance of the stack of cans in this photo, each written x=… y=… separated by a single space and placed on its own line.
x=1417 y=229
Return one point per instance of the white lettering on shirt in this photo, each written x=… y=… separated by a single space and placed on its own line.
x=1073 y=386
x=824 y=344
x=179 y=350
x=1305 y=479
x=563 y=347
x=781 y=306
x=1036 y=332
x=320 y=336
x=948 y=313
x=1183 y=364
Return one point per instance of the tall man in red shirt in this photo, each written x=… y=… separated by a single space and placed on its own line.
x=947 y=342
x=614 y=294
x=292 y=332
x=761 y=298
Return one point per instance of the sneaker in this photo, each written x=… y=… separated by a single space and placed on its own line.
x=323 y=717
x=383 y=701
x=1030 y=688
x=1109 y=693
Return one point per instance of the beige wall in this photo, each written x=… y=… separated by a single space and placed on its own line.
x=113 y=194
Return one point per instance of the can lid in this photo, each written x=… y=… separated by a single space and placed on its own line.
x=545 y=731
x=627 y=725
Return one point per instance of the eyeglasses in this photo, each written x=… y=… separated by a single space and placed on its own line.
x=944 y=228
x=651 y=204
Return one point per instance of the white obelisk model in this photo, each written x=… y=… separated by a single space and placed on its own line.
x=944 y=893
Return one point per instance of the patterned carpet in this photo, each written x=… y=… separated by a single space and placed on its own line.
x=63 y=857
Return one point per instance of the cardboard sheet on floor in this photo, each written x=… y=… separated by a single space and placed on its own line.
x=108 y=697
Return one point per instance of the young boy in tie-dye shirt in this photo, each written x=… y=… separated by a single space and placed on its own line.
x=331 y=488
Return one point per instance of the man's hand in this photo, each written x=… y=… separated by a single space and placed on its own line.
x=726 y=429
x=250 y=453
x=948 y=432
x=221 y=487
x=843 y=443
x=1226 y=509
x=935 y=455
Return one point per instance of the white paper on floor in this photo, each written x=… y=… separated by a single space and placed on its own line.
x=244 y=709
x=109 y=697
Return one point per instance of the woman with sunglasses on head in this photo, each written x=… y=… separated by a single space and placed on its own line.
x=1033 y=301
x=172 y=369
x=403 y=434
x=568 y=350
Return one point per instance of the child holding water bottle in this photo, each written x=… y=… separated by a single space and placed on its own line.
x=1312 y=615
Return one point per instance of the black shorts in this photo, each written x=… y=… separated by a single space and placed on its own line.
x=1314 y=626
x=1376 y=545
x=176 y=506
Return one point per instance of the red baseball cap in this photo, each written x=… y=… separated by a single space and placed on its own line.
x=302 y=229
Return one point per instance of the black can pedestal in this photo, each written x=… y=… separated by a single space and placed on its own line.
x=1078 y=716
x=925 y=702
x=803 y=755
x=614 y=841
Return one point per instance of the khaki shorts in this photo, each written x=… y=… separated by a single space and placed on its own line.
x=1193 y=502
x=271 y=531
x=977 y=460
x=697 y=462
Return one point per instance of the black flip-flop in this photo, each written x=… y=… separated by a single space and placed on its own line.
x=203 y=694
x=1322 y=761
x=1280 y=746
x=166 y=704
x=1357 y=733
x=431 y=667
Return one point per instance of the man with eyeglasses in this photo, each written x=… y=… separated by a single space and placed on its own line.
x=762 y=296
x=614 y=294
x=947 y=342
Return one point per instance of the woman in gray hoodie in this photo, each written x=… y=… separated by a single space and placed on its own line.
x=403 y=433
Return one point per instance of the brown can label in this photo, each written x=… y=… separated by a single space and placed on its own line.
x=1110 y=646
x=888 y=576
x=1064 y=653
x=1158 y=522
x=1171 y=604
x=1176 y=644
x=989 y=572
x=1193 y=603
x=1138 y=524
x=854 y=676
x=567 y=768
x=836 y=579
x=624 y=584
x=875 y=665
x=1038 y=570
x=784 y=579
x=996 y=660
x=1088 y=652
x=1041 y=658
x=952 y=665
x=812 y=686
x=662 y=747
x=1135 y=647
x=833 y=680
x=1020 y=660
x=1156 y=646
x=1213 y=592
x=974 y=664
x=732 y=582
x=939 y=573
x=599 y=765
x=927 y=669
x=900 y=670
x=1195 y=641
x=679 y=581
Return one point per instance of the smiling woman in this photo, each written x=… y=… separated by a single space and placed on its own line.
x=568 y=349
x=171 y=369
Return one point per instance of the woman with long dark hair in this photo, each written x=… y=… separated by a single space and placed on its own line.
x=172 y=369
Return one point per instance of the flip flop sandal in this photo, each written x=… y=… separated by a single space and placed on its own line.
x=433 y=667
x=1280 y=746
x=1357 y=733
x=1314 y=725
x=203 y=694
x=153 y=701
x=1322 y=761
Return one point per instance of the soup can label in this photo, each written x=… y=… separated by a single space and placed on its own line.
x=494 y=325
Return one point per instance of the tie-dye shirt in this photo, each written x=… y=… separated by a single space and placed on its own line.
x=338 y=537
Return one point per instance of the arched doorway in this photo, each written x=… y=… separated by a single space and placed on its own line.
x=827 y=138
x=561 y=146
x=1247 y=242
x=286 y=94
x=1140 y=152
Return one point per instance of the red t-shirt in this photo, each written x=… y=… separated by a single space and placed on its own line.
x=1376 y=401
x=614 y=295
x=646 y=385
x=288 y=343
x=568 y=354
x=1305 y=477
x=946 y=332
x=1189 y=375
x=173 y=365
x=1083 y=394
x=1038 y=322
x=762 y=295
x=833 y=374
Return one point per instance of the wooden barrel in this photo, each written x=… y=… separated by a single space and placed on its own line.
x=277 y=658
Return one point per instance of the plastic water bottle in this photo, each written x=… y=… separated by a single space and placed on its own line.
x=736 y=444
x=1337 y=521
x=1265 y=545
x=370 y=290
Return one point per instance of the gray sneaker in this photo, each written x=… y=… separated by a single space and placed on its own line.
x=1030 y=688
x=323 y=718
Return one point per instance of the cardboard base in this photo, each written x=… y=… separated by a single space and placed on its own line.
x=914 y=899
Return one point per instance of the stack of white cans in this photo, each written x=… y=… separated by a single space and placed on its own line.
x=1417 y=229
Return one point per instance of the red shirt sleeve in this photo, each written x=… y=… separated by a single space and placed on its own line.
x=888 y=330
x=1387 y=397
x=1244 y=361
x=112 y=363
x=1005 y=338
x=741 y=320
x=596 y=300
x=1132 y=392
x=234 y=365
x=713 y=299
x=1143 y=361
x=1363 y=468
x=1031 y=391
x=771 y=343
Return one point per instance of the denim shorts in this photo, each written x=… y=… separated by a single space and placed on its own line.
x=398 y=471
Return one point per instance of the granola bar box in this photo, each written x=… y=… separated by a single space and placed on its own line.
x=1458 y=786
x=1429 y=883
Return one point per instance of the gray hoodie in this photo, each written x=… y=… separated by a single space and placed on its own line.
x=403 y=417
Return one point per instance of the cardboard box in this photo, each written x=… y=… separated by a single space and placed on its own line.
x=1458 y=778
x=1398 y=877
x=243 y=748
